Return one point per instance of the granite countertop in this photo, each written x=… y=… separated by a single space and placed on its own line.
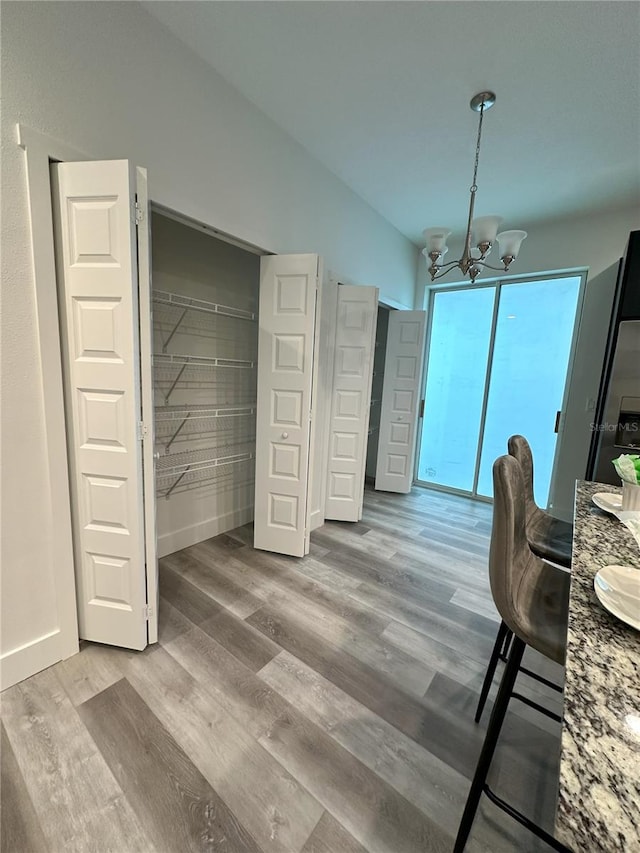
x=599 y=797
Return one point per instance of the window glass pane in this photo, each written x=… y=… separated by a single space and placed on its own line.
x=528 y=374
x=456 y=371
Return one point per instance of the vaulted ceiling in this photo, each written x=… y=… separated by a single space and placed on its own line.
x=379 y=93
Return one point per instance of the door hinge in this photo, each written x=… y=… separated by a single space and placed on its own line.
x=139 y=213
x=421 y=415
x=143 y=430
x=147 y=612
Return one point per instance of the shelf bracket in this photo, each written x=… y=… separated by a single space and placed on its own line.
x=174 y=330
x=175 y=382
x=174 y=484
x=176 y=433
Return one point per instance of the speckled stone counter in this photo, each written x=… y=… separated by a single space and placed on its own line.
x=599 y=797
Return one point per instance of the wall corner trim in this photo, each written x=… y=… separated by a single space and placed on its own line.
x=41 y=651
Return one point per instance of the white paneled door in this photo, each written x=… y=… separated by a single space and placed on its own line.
x=355 y=334
x=288 y=294
x=400 y=396
x=95 y=214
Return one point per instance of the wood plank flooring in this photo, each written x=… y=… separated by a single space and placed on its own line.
x=322 y=705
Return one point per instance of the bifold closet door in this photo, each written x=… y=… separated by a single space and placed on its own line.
x=355 y=335
x=96 y=223
x=143 y=231
x=400 y=396
x=287 y=321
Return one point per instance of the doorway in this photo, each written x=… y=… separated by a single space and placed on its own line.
x=497 y=363
x=379 y=355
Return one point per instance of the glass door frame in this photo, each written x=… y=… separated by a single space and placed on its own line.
x=497 y=284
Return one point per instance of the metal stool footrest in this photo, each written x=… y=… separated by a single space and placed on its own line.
x=541 y=679
x=525 y=821
x=537 y=707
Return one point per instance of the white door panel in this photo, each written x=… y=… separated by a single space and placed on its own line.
x=146 y=379
x=356 y=318
x=288 y=288
x=400 y=398
x=321 y=404
x=96 y=236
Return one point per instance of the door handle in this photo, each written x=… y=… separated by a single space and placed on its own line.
x=285 y=435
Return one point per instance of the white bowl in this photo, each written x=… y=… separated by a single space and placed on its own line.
x=618 y=590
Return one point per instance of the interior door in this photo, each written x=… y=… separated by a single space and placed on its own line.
x=94 y=210
x=400 y=396
x=356 y=317
x=288 y=293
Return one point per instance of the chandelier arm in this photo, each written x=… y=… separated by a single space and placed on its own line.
x=449 y=265
x=489 y=267
x=444 y=272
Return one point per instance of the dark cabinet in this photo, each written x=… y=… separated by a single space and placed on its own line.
x=630 y=283
x=618 y=401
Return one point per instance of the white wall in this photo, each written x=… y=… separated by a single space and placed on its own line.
x=108 y=80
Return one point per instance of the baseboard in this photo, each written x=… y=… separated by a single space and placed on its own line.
x=316 y=520
x=34 y=656
x=176 y=540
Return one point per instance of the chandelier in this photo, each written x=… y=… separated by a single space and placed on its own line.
x=483 y=228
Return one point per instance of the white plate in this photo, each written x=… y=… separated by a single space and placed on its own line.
x=618 y=589
x=608 y=501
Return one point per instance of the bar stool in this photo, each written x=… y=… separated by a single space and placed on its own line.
x=549 y=537
x=532 y=599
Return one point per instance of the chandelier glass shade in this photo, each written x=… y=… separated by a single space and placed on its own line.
x=482 y=231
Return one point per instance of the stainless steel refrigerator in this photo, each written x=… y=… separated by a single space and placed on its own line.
x=616 y=426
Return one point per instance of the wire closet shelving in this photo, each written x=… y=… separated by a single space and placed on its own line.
x=207 y=435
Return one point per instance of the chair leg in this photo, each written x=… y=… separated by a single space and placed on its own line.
x=504 y=635
x=507 y=645
x=490 y=741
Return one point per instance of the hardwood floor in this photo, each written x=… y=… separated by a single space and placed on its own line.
x=322 y=705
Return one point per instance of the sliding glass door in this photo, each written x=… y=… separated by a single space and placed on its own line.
x=497 y=364
x=459 y=344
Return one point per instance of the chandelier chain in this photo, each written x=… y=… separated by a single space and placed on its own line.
x=474 y=185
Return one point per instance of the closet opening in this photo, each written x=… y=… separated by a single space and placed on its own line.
x=205 y=290
x=377 y=382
